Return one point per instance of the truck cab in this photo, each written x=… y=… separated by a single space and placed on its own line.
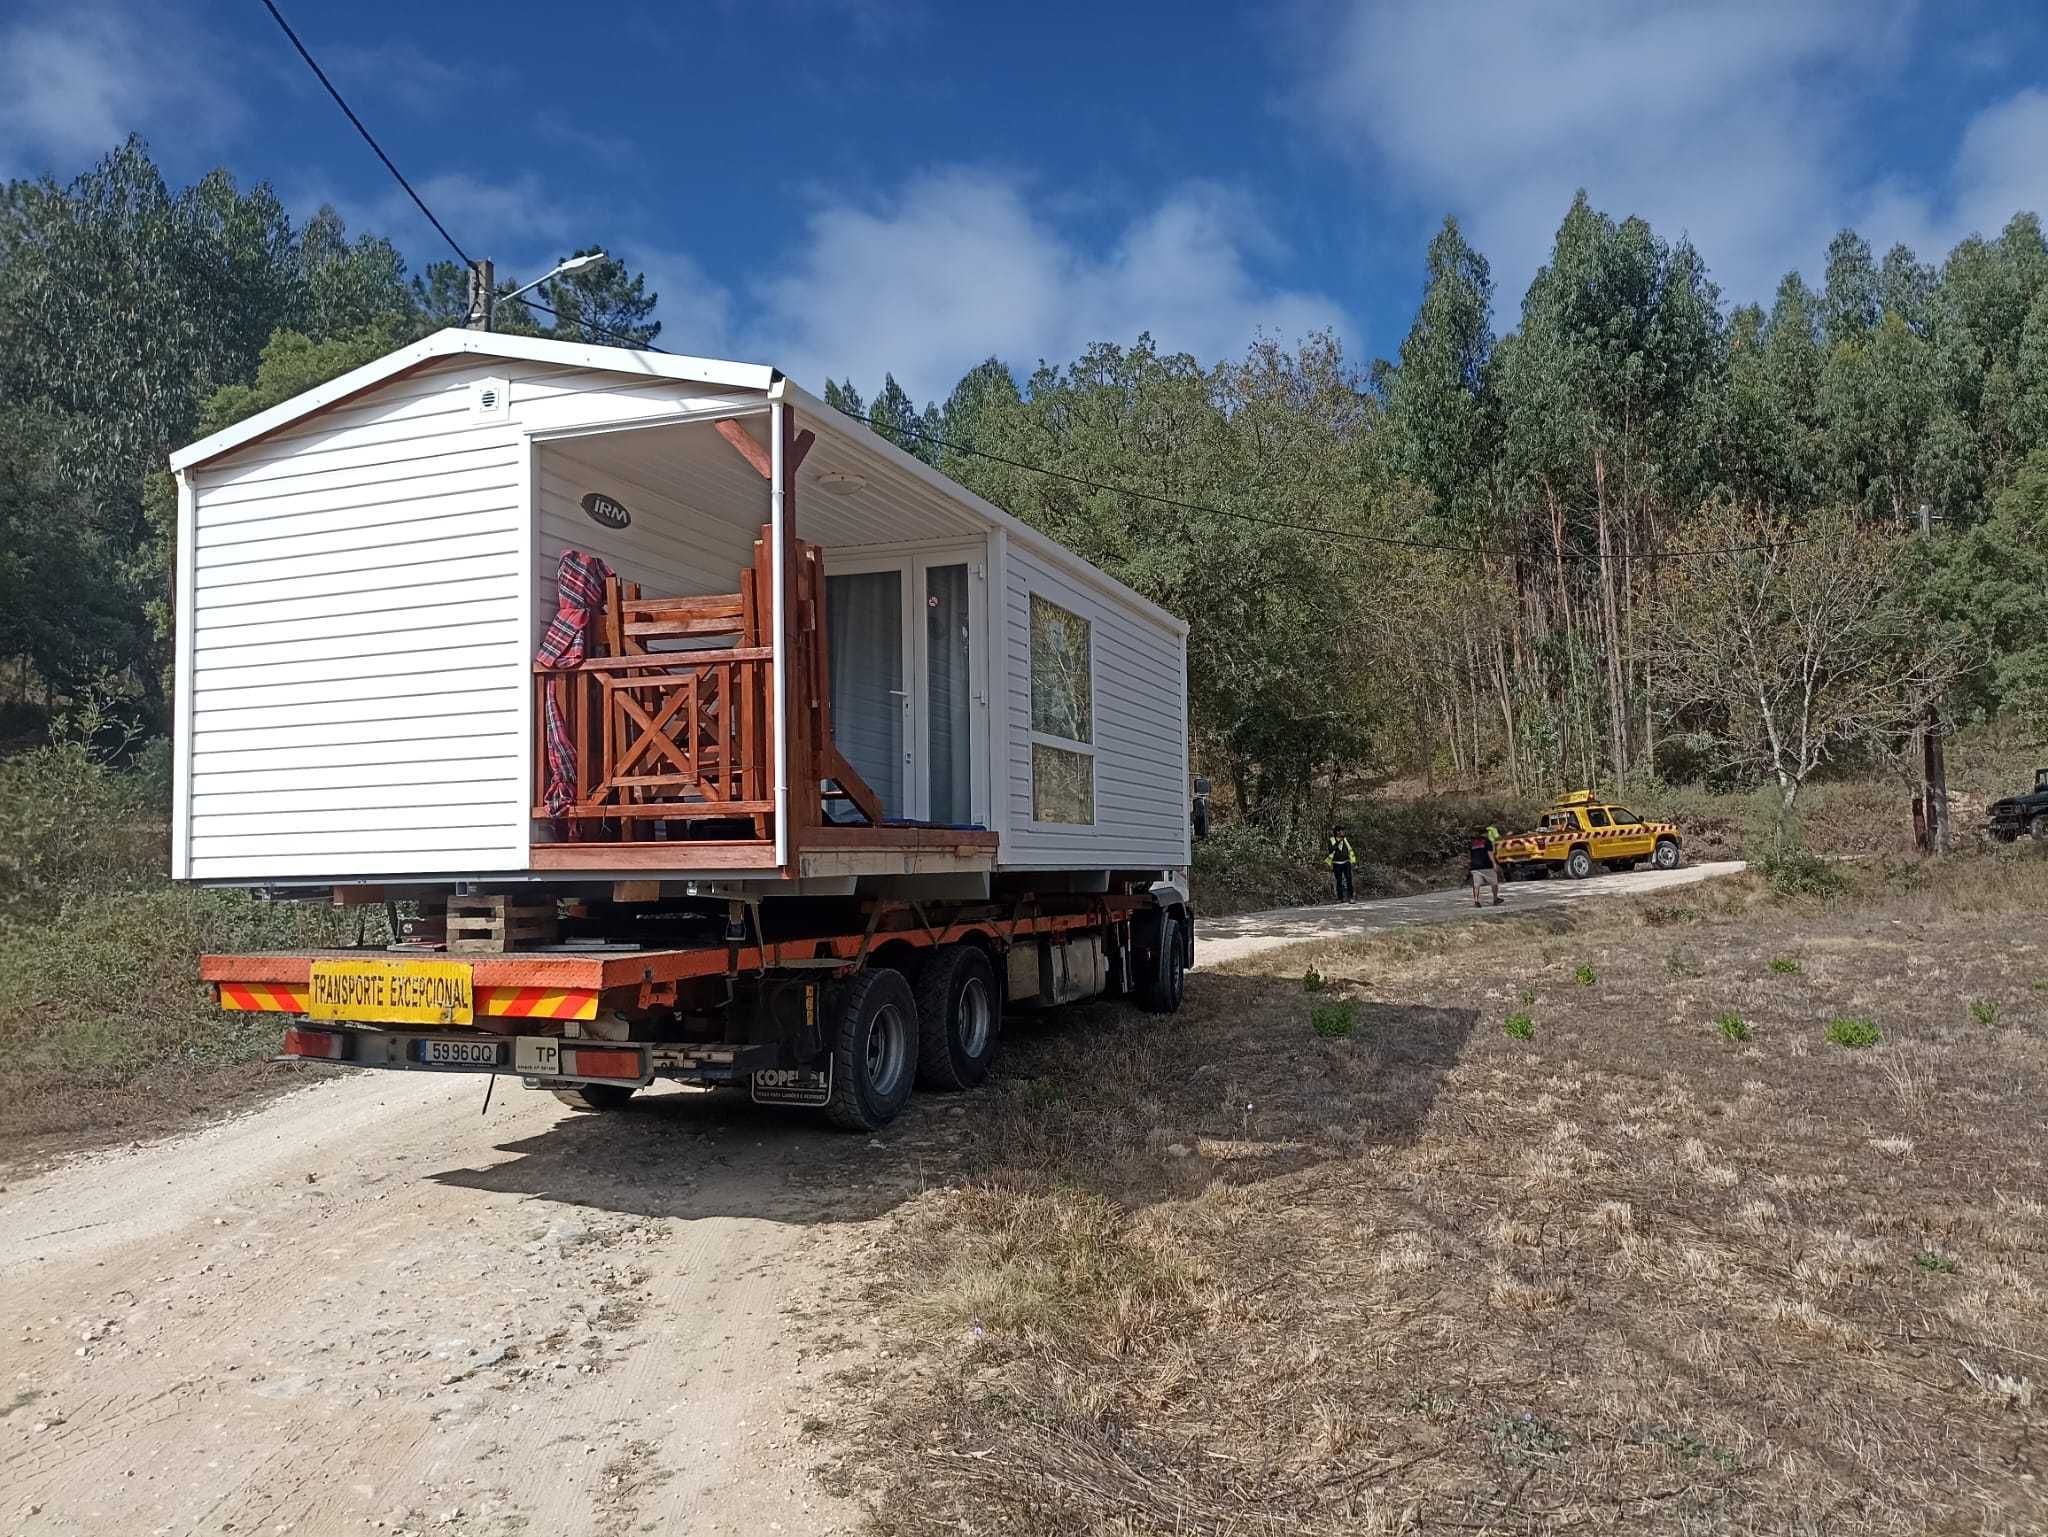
x=2026 y=813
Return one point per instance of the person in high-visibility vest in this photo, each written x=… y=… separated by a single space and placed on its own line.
x=1340 y=859
x=1484 y=869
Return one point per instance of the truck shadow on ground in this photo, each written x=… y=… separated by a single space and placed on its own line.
x=1237 y=1088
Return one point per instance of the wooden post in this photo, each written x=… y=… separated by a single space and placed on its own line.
x=1934 y=774
x=800 y=730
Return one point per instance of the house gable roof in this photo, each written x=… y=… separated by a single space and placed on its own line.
x=481 y=344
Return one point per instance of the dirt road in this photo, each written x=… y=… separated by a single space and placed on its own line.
x=367 y=1308
x=1243 y=934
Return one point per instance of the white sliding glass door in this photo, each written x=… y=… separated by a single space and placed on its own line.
x=870 y=700
x=910 y=683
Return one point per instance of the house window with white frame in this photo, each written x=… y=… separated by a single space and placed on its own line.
x=1062 y=715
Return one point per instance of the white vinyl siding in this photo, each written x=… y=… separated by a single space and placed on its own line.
x=1139 y=728
x=358 y=595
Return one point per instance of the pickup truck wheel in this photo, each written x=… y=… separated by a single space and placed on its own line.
x=2037 y=829
x=597 y=1096
x=1667 y=855
x=1165 y=979
x=874 y=1050
x=1578 y=864
x=959 y=1016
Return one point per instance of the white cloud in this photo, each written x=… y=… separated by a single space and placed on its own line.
x=696 y=314
x=961 y=264
x=1728 y=122
x=403 y=72
x=1999 y=168
x=75 y=80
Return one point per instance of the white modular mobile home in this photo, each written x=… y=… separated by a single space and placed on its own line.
x=787 y=652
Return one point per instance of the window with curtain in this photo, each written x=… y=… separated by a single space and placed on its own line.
x=1062 y=715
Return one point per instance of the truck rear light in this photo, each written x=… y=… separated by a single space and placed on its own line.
x=589 y=1063
x=329 y=1045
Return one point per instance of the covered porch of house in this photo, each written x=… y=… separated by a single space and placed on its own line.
x=759 y=690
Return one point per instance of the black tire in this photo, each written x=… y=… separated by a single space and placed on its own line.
x=597 y=1096
x=1163 y=979
x=874 y=1050
x=1578 y=864
x=1667 y=856
x=959 y=1018
x=2037 y=829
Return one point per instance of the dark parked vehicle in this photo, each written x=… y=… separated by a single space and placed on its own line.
x=2024 y=813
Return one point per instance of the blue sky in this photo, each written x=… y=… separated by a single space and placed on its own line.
x=842 y=187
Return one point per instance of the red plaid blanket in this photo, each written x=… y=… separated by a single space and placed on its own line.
x=581 y=580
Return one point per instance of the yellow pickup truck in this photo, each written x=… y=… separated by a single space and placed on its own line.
x=1579 y=834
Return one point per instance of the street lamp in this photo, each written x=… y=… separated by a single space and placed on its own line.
x=483 y=297
x=573 y=264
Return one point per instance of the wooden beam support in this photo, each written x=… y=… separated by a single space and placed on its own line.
x=738 y=436
x=678 y=856
x=847 y=777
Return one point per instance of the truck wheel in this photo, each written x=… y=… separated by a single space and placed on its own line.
x=1166 y=979
x=874 y=1050
x=1579 y=864
x=959 y=1017
x=1667 y=856
x=2037 y=829
x=597 y=1096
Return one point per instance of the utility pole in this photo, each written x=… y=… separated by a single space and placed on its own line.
x=483 y=296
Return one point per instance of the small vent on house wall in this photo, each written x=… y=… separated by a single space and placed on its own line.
x=490 y=397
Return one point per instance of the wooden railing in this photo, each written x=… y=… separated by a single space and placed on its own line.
x=685 y=735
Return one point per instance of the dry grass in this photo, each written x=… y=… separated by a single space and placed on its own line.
x=1218 y=1275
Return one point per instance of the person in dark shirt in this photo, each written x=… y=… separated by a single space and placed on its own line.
x=1483 y=867
x=1340 y=859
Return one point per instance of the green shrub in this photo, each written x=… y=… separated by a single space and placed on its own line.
x=1853 y=1031
x=1984 y=1010
x=1333 y=1021
x=1732 y=1025
x=1520 y=1026
x=1776 y=840
x=1242 y=866
x=1784 y=966
x=1941 y=1264
x=99 y=953
x=70 y=823
x=1313 y=981
x=1584 y=975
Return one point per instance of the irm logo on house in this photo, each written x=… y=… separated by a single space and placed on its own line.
x=603 y=509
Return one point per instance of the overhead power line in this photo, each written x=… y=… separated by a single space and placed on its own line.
x=348 y=111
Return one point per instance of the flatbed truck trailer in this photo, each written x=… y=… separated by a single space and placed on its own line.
x=840 y=1005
